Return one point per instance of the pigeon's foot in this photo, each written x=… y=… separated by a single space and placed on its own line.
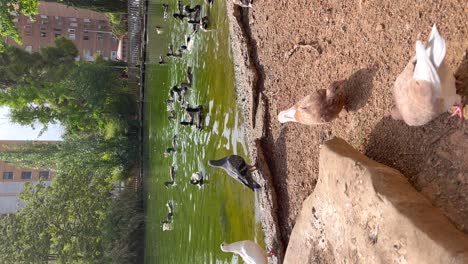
x=458 y=111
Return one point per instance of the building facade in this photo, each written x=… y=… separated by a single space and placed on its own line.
x=13 y=179
x=89 y=30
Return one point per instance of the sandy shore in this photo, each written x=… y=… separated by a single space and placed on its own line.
x=284 y=50
x=248 y=80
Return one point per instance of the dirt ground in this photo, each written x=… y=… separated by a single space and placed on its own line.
x=368 y=43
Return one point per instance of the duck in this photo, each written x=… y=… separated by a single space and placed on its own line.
x=180 y=92
x=173 y=148
x=197 y=179
x=165 y=11
x=171 y=183
x=189 y=42
x=426 y=87
x=243 y=3
x=237 y=168
x=249 y=251
x=161 y=60
x=320 y=107
x=202 y=23
x=190 y=10
x=159 y=30
x=195 y=116
x=170 y=210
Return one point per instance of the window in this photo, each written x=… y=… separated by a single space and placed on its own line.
x=57 y=29
x=73 y=24
x=28 y=49
x=44 y=17
x=86 y=20
x=57 y=17
x=44 y=22
x=86 y=54
x=71 y=30
x=72 y=19
x=43 y=34
x=71 y=36
x=8 y=175
x=100 y=36
x=57 y=35
x=113 y=55
x=44 y=175
x=26 y=175
x=85 y=37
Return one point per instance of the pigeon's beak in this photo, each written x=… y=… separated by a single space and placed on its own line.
x=287 y=116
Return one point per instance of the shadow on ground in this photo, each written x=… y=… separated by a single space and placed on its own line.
x=359 y=88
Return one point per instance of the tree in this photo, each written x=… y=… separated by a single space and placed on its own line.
x=49 y=86
x=8 y=10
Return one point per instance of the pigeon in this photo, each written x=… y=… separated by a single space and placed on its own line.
x=249 y=251
x=317 y=108
x=237 y=168
x=243 y=3
x=426 y=87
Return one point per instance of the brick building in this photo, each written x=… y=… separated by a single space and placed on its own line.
x=90 y=31
x=13 y=179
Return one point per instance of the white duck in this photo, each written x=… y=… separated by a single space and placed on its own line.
x=426 y=87
x=249 y=251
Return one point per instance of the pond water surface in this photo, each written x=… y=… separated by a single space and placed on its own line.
x=222 y=210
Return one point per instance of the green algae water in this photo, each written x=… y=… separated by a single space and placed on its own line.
x=222 y=210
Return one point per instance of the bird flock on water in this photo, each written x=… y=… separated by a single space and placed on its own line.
x=234 y=165
x=424 y=89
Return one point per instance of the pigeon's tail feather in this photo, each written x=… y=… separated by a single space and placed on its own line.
x=217 y=163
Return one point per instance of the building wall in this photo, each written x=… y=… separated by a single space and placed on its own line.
x=10 y=188
x=89 y=30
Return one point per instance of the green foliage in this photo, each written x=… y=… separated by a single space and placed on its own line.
x=118 y=24
x=69 y=220
x=7 y=9
x=75 y=220
x=124 y=229
x=51 y=86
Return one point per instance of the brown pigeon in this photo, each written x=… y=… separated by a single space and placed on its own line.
x=317 y=108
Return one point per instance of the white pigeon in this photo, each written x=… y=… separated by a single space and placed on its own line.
x=249 y=251
x=426 y=87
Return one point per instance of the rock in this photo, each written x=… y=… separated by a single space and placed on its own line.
x=362 y=211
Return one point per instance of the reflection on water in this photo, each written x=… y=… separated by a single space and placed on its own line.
x=222 y=210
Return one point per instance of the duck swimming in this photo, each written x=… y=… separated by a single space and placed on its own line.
x=173 y=148
x=195 y=116
x=237 y=168
x=171 y=183
x=161 y=60
x=197 y=179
